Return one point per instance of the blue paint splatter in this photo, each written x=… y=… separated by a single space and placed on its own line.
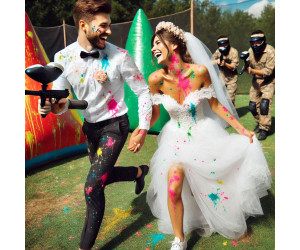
x=66 y=209
x=215 y=198
x=93 y=175
x=156 y=238
x=193 y=111
x=105 y=62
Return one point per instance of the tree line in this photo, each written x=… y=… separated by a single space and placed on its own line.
x=209 y=20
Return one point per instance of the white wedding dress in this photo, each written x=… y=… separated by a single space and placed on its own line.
x=225 y=175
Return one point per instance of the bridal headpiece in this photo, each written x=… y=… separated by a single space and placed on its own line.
x=170 y=27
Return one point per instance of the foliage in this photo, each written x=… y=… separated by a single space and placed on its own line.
x=49 y=13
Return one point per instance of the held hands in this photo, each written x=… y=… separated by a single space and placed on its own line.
x=136 y=140
x=52 y=107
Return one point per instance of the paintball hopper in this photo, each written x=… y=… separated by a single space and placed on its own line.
x=244 y=55
x=45 y=74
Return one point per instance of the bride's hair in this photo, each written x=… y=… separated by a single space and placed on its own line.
x=165 y=35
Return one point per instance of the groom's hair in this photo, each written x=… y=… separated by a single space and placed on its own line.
x=86 y=9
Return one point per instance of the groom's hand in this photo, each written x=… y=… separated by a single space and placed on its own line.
x=136 y=141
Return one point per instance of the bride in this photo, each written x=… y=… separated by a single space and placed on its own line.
x=202 y=178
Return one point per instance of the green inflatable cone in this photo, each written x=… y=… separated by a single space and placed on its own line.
x=139 y=47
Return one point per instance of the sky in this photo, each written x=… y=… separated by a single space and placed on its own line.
x=237 y=4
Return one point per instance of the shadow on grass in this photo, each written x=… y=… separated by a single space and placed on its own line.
x=140 y=207
x=242 y=111
x=55 y=163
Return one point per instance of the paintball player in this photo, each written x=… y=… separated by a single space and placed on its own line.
x=97 y=70
x=262 y=66
x=228 y=60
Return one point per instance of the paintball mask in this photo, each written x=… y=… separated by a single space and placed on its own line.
x=224 y=50
x=257 y=49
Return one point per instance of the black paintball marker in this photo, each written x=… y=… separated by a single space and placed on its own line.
x=244 y=55
x=222 y=51
x=45 y=75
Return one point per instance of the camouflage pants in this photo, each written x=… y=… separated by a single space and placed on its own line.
x=257 y=93
x=231 y=87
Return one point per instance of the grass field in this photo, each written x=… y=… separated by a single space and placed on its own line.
x=55 y=205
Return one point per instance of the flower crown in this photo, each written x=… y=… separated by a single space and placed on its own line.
x=170 y=27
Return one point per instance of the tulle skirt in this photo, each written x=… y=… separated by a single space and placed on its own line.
x=225 y=176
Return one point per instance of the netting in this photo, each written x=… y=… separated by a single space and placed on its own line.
x=237 y=21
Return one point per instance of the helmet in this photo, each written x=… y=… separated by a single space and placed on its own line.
x=224 y=50
x=257 y=49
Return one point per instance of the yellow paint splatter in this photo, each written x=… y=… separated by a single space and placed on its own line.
x=30 y=141
x=99 y=152
x=30 y=34
x=119 y=216
x=220 y=182
x=225 y=243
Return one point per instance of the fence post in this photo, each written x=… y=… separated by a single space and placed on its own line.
x=64 y=30
x=192 y=17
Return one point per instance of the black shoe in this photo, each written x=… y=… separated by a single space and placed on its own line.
x=263 y=135
x=257 y=129
x=140 y=182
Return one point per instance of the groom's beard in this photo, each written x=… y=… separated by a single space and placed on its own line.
x=95 y=40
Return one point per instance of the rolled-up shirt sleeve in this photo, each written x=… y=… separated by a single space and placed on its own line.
x=235 y=61
x=135 y=80
x=270 y=65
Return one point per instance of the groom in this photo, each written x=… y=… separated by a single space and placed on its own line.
x=96 y=70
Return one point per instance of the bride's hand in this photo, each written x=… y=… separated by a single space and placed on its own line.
x=248 y=133
x=136 y=142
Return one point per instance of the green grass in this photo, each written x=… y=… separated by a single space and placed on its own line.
x=55 y=206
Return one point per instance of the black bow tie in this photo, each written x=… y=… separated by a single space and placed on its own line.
x=94 y=54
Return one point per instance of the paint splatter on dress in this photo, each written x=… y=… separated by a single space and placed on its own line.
x=225 y=175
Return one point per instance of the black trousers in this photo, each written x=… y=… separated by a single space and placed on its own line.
x=105 y=141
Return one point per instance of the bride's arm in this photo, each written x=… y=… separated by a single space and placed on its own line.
x=222 y=111
x=135 y=136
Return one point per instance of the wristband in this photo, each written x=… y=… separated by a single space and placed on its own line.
x=142 y=133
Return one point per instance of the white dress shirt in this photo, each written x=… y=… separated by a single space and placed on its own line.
x=105 y=100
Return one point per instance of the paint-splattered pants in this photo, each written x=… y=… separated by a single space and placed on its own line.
x=105 y=141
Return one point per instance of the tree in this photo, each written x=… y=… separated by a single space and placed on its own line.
x=49 y=13
x=266 y=23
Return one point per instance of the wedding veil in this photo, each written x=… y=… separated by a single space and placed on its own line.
x=202 y=55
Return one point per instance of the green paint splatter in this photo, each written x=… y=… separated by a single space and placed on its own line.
x=160 y=83
x=212 y=172
x=178 y=124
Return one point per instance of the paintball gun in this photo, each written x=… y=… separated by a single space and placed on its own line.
x=45 y=75
x=244 y=55
x=222 y=51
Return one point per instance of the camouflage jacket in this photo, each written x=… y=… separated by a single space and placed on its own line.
x=233 y=59
x=264 y=62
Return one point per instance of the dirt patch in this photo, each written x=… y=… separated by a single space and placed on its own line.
x=44 y=203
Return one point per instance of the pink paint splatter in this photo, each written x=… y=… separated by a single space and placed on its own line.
x=149 y=225
x=71 y=237
x=113 y=106
x=110 y=143
x=175 y=178
x=231 y=118
x=103 y=178
x=119 y=230
x=138 y=234
x=174 y=60
x=89 y=190
x=225 y=109
x=234 y=243
x=122 y=50
x=226 y=198
x=139 y=77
